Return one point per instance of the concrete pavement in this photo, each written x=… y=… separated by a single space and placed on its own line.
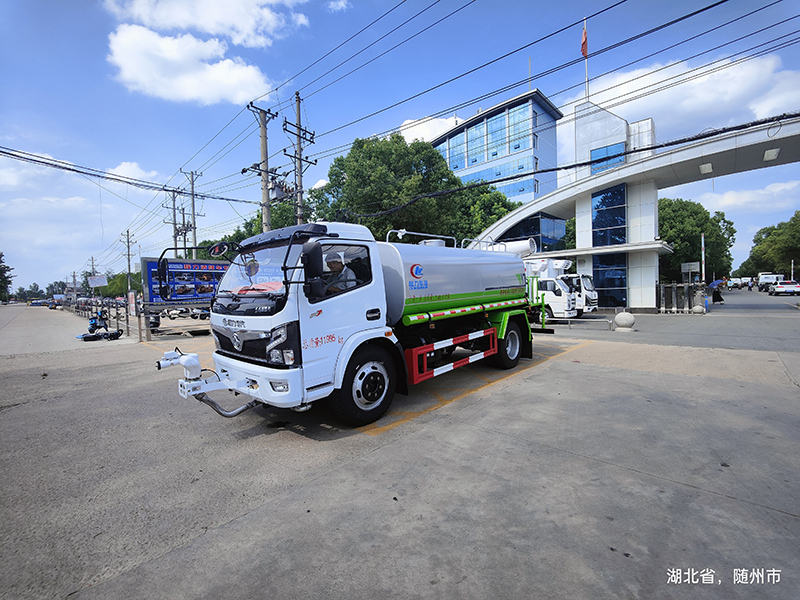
x=611 y=467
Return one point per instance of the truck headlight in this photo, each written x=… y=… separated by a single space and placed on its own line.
x=284 y=345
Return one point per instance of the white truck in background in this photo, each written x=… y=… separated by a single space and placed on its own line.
x=585 y=294
x=544 y=282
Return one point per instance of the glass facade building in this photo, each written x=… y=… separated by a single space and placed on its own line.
x=548 y=232
x=610 y=228
x=515 y=137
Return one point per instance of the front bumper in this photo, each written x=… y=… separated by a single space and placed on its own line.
x=282 y=388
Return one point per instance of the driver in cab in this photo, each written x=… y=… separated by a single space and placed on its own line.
x=340 y=277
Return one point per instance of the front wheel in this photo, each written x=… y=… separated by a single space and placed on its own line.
x=509 y=348
x=368 y=387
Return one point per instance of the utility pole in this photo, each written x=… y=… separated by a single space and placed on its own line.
x=302 y=135
x=184 y=230
x=174 y=226
x=263 y=167
x=128 y=243
x=192 y=175
x=175 y=229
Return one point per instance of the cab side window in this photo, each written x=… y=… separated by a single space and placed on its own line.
x=346 y=267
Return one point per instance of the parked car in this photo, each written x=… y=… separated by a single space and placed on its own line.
x=784 y=287
x=768 y=279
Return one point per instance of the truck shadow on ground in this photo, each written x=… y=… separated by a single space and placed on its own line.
x=321 y=423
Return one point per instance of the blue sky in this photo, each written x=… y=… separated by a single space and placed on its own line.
x=147 y=88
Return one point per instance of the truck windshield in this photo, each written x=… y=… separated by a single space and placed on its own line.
x=588 y=284
x=255 y=279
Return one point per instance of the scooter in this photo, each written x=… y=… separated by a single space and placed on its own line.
x=99 y=322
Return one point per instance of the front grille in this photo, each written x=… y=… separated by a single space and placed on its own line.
x=252 y=349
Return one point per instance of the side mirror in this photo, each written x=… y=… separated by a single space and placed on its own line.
x=163 y=266
x=165 y=292
x=219 y=249
x=311 y=258
x=557 y=291
x=314 y=289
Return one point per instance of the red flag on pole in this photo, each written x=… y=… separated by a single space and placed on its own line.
x=584 y=43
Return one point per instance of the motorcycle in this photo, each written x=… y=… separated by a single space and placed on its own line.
x=100 y=321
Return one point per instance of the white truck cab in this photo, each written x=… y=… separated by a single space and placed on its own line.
x=585 y=293
x=544 y=286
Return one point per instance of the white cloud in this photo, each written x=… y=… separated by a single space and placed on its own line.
x=338 y=5
x=426 y=129
x=14 y=174
x=774 y=197
x=134 y=171
x=742 y=92
x=249 y=23
x=182 y=68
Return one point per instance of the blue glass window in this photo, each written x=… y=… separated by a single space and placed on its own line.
x=457 y=151
x=599 y=154
x=496 y=127
x=519 y=127
x=442 y=148
x=548 y=231
x=609 y=217
x=476 y=143
x=610 y=273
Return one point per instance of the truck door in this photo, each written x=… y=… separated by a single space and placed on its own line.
x=352 y=302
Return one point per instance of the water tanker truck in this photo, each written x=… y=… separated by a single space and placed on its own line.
x=323 y=310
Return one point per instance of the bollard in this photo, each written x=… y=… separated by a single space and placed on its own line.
x=674 y=298
x=624 y=321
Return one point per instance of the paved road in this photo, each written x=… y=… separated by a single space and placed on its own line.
x=608 y=467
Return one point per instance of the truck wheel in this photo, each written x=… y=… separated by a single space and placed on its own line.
x=368 y=387
x=509 y=348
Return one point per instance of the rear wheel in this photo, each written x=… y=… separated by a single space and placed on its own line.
x=368 y=387
x=509 y=349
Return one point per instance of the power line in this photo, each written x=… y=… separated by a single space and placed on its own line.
x=509 y=87
x=565 y=65
x=694 y=138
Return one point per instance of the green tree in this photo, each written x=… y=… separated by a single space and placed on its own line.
x=398 y=185
x=774 y=248
x=681 y=223
x=56 y=287
x=570 y=235
x=118 y=285
x=34 y=291
x=5 y=278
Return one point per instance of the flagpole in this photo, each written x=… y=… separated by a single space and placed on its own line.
x=585 y=52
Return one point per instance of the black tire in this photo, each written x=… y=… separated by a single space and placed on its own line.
x=368 y=387
x=509 y=349
x=579 y=314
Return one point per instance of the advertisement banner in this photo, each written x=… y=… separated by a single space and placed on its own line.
x=97 y=281
x=191 y=282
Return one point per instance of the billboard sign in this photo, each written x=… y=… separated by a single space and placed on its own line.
x=690 y=267
x=190 y=282
x=97 y=281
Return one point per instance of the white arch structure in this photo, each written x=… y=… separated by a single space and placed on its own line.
x=644 y=173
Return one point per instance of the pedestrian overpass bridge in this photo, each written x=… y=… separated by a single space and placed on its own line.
x=643 y=174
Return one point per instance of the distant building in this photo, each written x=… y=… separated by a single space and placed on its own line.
x=616 y=223
x=515 y=136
